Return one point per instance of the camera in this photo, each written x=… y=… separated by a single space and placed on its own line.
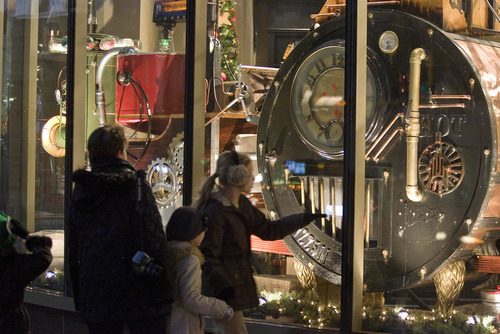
x=143 y=264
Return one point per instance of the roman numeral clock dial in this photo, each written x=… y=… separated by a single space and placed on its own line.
x=318 y=99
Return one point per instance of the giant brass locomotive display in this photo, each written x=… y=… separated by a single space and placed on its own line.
x=431 y=148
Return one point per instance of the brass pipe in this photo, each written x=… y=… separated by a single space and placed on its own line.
x=369 y=3
x=379 y=138
x=413 y=126
x=367 y=214
x=444 y=105
x=329 y=15
x=302 y=191
x=312 y=197
x=332 y=194
x=386 y=143
x=321 y=200
x=339 y=8
x=458 y=97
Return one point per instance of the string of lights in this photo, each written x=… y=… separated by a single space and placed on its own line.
x=295 y=307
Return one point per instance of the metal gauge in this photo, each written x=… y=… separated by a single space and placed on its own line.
x=318 y=99
x=388 y=41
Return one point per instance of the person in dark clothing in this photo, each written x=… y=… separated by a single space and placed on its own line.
x=227 y=271
x=113 y=216
x=16 y=272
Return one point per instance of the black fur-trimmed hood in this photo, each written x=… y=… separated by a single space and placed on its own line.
x=105 y=181
x=107 y=176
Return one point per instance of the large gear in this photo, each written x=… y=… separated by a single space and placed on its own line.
x=166 y=182
x=176 y=148
x=165 y=176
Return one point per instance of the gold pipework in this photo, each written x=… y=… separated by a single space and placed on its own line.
x=413 y=126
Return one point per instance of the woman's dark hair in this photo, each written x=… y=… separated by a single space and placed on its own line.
x=106 y=142
x=230 y=171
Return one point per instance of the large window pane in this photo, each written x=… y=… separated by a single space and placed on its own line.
x=275 y=89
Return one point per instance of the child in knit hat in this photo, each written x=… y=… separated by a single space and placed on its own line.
x=185 y=231
x=17 y=271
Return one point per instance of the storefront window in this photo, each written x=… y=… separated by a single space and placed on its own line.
x=134 y=77
x=33 y=118
x=428 y=175
x=273 y=86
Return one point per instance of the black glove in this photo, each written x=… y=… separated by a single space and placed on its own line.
x=227 y=293
x=18 y=229
x=310 y=217
x=33 y=241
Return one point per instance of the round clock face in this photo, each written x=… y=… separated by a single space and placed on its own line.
x=318 y=99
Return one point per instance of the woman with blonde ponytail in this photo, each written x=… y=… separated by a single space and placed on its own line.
x=231 y=220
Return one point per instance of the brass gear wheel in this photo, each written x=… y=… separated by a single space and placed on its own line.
x=176 y=148
x=166 y=182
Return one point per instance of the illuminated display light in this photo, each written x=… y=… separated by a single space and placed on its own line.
x=173 y=6
x=390 y=319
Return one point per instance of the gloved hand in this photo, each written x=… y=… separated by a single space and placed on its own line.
x=33 y=241
x=229 y=313
x=227 y=293
x=310 y=217
x=17 y=229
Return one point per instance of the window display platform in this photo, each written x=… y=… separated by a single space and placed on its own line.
x=276 y=283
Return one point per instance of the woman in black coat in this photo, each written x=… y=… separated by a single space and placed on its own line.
x=232 y=219
x=113 y=215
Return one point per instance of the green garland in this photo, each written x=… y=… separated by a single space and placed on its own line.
x=229 y=41
x=388 y=320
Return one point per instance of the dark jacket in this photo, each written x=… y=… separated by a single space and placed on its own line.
x=227 y=271
x=16 y=272
x=107 y=227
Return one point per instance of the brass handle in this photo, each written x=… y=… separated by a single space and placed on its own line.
x=413 y=127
